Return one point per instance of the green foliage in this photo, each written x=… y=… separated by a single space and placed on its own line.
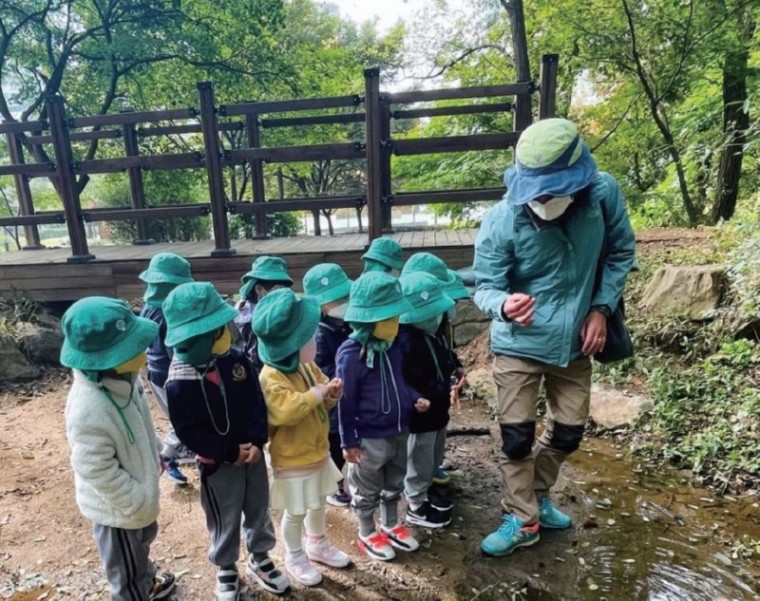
x=279 y=225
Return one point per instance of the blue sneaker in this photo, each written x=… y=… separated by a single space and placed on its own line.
x=551 y=517
x=441 y=477
x=511 y=535
x=174 y=473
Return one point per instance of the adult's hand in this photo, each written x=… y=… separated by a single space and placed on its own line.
x=353 y=455
x=594 y=333
x=519 y=308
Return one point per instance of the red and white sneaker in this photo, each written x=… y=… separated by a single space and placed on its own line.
x=376 y=546
x=400 y=537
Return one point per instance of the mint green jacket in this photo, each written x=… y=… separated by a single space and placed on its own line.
x=557 y=263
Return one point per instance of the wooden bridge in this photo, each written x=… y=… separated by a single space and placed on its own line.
x=65 y=151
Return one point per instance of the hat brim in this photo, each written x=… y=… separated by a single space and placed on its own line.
x=384 y=259
x=454 y=288
x=274 y=351
x=138 y=337
x=151 y=276
x=522 y=187
x=375 y=314
x=336 y=293
x=266 y=276
x=208 y=323
x=428 y=311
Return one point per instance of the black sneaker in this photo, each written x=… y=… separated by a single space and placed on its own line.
x=163 y=586
x=440 y=502
x=427 y=516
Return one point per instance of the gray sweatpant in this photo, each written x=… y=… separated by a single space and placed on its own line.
x=426 y=451
x=124 y=554
x=378 y=480
x=230 y=491
x=171 y=442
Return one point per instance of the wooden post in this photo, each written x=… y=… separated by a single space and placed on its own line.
x=386 y=184
x=523 y=108
x=23 y=193
x=65 y=179
x=136 y=187
x=257 y=173
x=547 y=101
x=210 y=128
x=373 y=124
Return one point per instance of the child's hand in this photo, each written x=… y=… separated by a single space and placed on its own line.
x=353 y=455
x=322 y=390
x=244 y=453
x=254 y=455
x=335 y=388
x=422 y=405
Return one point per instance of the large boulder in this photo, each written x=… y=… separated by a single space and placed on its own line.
x=469 y=323
x=467 y=312
x=41 y=345
x=482 y=386
x=14 y=367
x=690 y=291
x=613 y=409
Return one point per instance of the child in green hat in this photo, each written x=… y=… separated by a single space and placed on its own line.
x=165 y=272
x=218 y=412
x=298 y=396
x=113 y=441
x=384 y=255
x=330 y=286
x=266 y=274
x=375 y=412
x=428 y=366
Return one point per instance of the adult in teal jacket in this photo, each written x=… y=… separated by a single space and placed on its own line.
x=537 y=259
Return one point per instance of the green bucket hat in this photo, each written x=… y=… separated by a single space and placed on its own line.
x=429 y=263
x=284 y=322
x=385 y=251
x=193 y=309
x=551 y=159
x=101 y=333
x=167 y=268
x=327 y=283
x=425 y=294
x=266 y=268
x=375 y=296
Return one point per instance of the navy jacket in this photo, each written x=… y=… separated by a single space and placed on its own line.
x=159 y=357
x=203 y=423
x=363 y=412
x=433 y=383
x=331 y=333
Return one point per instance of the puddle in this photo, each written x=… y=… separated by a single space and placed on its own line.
x=648 y=537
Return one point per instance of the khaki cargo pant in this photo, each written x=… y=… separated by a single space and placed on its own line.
x=530 y=467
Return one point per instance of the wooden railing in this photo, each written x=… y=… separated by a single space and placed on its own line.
x=57 y=133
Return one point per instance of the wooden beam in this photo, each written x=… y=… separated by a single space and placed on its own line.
x=440 y=196
x=136 y=187
x=445 y=111
x=28 y=169
x=20 y=127
x=82 y=136
x=257 y=174
x=374 y=152
x=283 y=106
x=23 y=193
x=163 y=212
x=189 y=128
x=133 y=117
x=318 y=120
x=386 y=154
x=454 y=144
x=297 y=154
x=36 y=219
x=184 y=160
x=297 y=204
x=547 y=101
x=456 y=93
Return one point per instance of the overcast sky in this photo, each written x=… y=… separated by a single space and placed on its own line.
x=387 y=12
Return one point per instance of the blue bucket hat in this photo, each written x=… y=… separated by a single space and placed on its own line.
x=326 y=282
x=193 y=309
x=376 y=296
x=167 y=268
x=385 y=251
x=551 y=160
x=284 y=323
x=268 y=269
x=425 y=295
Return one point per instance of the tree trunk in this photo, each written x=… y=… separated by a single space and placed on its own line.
x=317 y=225
x=330 y=227
x=359 y=219
x=736 y=122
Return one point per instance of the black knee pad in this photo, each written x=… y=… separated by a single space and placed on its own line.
x=567 y=438
x=517 y=439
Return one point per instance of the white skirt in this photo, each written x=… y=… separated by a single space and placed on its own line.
x=297 y=490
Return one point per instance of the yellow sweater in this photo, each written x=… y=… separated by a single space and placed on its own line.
x=298 y=422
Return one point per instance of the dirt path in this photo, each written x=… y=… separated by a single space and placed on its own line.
x=46 y=547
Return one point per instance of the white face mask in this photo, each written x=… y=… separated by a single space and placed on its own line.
x=551 y=209
x=308 y=353
x=338 y=312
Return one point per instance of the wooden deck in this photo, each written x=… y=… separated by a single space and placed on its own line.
x=45 y=275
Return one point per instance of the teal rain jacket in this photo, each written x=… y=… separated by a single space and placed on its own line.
x=555 y=262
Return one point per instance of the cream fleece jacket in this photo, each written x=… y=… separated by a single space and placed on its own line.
x=116 y=481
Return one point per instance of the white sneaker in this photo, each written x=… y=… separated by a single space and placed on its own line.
x=267 y=576
x=323 y=551
x=300 y=568
x=227 y=586
x=376 y=546
x=401 y=538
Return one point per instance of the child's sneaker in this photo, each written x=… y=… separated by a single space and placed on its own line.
x=339 y=499
x=377 y=546
x=440 y=502
x=511 y=535
x=447 y=465
x=227 y=585
x=401 y=538
x=267 y=576
x=174 y=473
x=427 y=516
x=441 y=477
x=163 y=586
x=551 y=517
x=323 y=551
x=184 y=455
x=300 y=568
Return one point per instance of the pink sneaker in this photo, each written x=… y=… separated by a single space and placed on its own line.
x=300 y=568
x=323 y=551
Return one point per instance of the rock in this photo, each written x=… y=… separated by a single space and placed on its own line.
x=13 y=365
x=612 y=409
x=40 y=345
x=482 y=385
x=685 y=290
x=467 y=332
x=467 y=311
